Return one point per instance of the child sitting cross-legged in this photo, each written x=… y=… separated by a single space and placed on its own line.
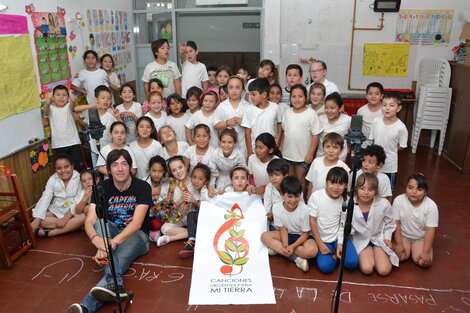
x=291 y=216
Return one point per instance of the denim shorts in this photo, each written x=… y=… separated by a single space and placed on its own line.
x=299 y=164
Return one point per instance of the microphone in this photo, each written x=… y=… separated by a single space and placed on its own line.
x=95 y=128
x=355 y=137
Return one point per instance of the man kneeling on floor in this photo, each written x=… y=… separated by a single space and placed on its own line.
x=127 y=202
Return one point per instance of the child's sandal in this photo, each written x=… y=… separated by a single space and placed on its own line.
x=45 y=230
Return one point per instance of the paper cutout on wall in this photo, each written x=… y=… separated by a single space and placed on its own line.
x=5 y=172
x=13 y=24
x=39 y=158
x=17 y=68
x=424 y=27
x=385 y=59
x=29 y=8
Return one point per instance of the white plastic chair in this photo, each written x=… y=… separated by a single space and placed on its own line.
x=432 y=113
x=433 y=105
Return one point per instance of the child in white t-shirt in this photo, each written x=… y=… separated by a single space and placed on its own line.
x=277 y=170
x=294 y=75
x=332 y=145
x=230 y=112
x=373 y=159
x=156 y=113
x=372 y=110
x=417 y=218
x=64 y=132
x=194 y=73
x=238 y=180
x=390 y=133
x=262 y=117
x=293 y=239
x=177 y=116
x=204 y=116
x=107 y=64
x=316 y=97
x=200 y=151
x=171 y=146
x=90 y=77
x=154 y=85
x=163 y=69
x=129 y=110
x=193 y=100
x=325 y=207
x=301 y=129
x=334 y=121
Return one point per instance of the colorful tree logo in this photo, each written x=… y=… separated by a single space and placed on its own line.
x=236 y=248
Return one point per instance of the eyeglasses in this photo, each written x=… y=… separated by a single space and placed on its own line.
x=316 y=71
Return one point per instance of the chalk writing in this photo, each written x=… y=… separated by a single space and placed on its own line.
x=67 y=275
x=175 y=276
x=466 y=301
x=398 y=298
x=193 y=307
x=307 y=292
x=279 y=292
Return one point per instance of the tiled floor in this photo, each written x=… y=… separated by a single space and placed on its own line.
x=59 y=271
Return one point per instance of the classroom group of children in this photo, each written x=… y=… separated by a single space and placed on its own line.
x=208 y=132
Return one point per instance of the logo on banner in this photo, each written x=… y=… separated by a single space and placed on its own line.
x=235 y=247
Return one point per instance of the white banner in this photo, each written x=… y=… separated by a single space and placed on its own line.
x=231 y=264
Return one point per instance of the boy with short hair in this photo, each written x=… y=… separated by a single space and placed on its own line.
x=212 y=73
x=374 y=159
x=333 y=144
x=108 y=115
x=390 y=133
x=64 y=134
x=262 y=117
x=294 y=75
x=277 y=169
x=194 y=73
x=372 y=110
x=291 y=216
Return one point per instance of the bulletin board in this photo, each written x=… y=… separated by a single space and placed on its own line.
x=385 y=59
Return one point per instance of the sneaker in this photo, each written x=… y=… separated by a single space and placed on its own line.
x=271 y=251
x=77 y=308
x=107 y=294
x=188 y=250
x=162 y=240
x=302 y=264
x=153 y=235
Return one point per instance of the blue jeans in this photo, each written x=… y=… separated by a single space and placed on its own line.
x=326 y=263
x=94 y=158
x=393 y=178
x=124 y=255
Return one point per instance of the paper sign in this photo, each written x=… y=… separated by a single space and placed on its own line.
x=13 y=24
x=385 y=59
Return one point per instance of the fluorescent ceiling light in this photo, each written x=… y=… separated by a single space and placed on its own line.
x=3 y=7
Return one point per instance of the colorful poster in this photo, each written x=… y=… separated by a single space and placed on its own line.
x=424 y=27
x=385 y=59
x=231 y=264
x=109 y=33
x=13 y=24
x=17 y=68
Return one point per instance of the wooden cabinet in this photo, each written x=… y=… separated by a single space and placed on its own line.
x=457 y=142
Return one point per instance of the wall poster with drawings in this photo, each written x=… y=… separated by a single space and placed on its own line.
x=424 y=27
x=109 y=33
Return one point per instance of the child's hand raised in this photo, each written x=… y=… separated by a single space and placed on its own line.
x=49 y=101
x=72 y=97
x=183 y=49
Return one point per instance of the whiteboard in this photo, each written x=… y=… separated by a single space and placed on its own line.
x=17 y=130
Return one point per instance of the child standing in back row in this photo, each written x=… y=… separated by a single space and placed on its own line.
x=293 y=77
x=372 y=110
x=163 y=69
x=194 y=72
x=130 y=111
x=390 y=133
x=90 y=77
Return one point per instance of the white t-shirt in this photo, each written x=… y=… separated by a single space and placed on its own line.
x=299 y=128
x=414 y=220
x=177 y=123
x=221 y=166
x=283 y=107
x=367 y=118
x=318 y=171
x=182 y=146
x=258 y=170
x=341 y=126
x=114 y=80
x=385 y=190
x=193 y=75
x=389 y=137
x=226 y=111
x=296 y=222
x=107 y=149
x=199 y=118
x=135 y=108
x=330 y=87
x=262 y=120
x=320 y=110
x=158 y=122
x=194 y=158
x=89 y=80
x=272 y=196
x=143 y=155
x=166 y=73
x=328 y=214
x=64 y=132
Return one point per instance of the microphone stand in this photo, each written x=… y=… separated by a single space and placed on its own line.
x=96 y=133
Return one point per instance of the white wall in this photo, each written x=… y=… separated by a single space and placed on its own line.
x=322 y=30
x=29 y=124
